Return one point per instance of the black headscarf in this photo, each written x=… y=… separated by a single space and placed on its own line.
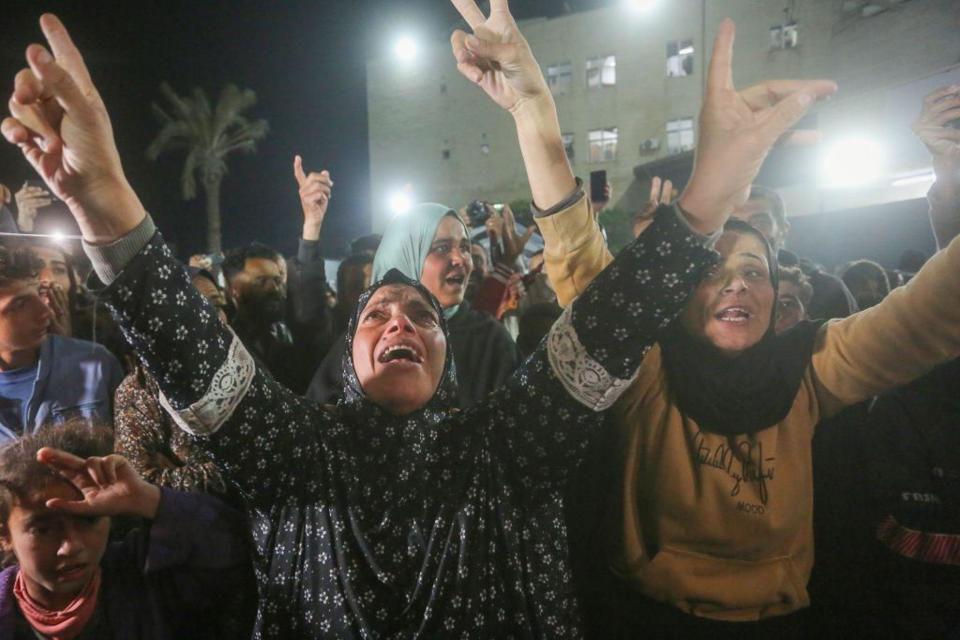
x=750 y=392
x=355 y=399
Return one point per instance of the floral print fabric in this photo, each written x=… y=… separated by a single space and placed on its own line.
x=441 y=524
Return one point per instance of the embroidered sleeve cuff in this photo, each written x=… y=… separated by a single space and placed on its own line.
x=110 y=259
x=227 y=388
x=585 y=379
x=566 y=203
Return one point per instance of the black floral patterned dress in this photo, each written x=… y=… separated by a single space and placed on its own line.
x=440 y=524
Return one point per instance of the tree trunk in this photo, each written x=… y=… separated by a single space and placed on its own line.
x=212 y=189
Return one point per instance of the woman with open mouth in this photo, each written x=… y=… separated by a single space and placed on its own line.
x=431 y=245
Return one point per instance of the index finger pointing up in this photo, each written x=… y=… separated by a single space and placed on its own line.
x=298 y=169
x=65 y=52
x=720 y=74
x=470 y=12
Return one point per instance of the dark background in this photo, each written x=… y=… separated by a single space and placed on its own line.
x=305 y=60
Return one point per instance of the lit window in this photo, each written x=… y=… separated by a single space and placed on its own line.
x=602 y=72
x=560 y=77
x=680 y=58
x=568 y=144
x=680 y=136
x=603 y=144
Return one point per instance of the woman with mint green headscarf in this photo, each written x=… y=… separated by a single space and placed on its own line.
x=431 y=244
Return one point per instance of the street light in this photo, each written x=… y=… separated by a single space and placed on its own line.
x=852 y=162
x=405 y=49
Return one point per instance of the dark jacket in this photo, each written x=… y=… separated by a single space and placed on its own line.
x=484 y=353
x=165 y=581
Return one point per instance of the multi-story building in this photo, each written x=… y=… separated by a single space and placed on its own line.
x=629 y=80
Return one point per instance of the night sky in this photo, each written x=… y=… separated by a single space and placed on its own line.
x=305 y=60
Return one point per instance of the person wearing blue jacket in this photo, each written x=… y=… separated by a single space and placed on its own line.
x=44 y=378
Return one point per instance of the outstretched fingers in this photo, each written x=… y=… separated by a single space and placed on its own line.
x=766 y=94
x=66 y=53
x=466 y=61
x=720 y=73
x=470 y=12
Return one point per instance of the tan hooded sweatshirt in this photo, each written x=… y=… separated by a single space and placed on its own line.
x=723 y=527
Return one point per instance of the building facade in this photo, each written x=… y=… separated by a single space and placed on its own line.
x=629 y=82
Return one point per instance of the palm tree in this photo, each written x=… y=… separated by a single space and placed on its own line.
x=208 y=136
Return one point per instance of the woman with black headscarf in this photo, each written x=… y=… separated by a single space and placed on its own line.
x=707 y=529
x=391 y=514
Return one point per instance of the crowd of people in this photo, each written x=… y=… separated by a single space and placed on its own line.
x=705 y=435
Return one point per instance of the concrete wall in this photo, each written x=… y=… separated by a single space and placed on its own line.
x=883 y=64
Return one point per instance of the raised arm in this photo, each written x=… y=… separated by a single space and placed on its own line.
x=736 y=131
x=209 y=383
x=915 y=328
x=941 y=110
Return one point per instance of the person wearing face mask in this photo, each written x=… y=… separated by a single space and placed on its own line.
x=392 y=514
x=430 y=244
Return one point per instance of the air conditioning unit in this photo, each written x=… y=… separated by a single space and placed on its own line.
x=791 y=36
x=650 y=144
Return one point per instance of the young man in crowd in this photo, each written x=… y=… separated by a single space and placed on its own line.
x=288 y=340
x=44 y=377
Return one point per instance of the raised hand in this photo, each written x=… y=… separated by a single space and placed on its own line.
x=315 y=192
x=110 y=486
x=29 y=200
x=661 y=192
x=933 y=127
x=60 y=123
x=496 y=56
x=737 y=131
x=513 y=243
x=58 y=301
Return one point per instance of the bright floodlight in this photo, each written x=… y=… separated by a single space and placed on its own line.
x=405 y=49
x=400 y=203
x=639 y=5
x=57 y=236
x=852 y=162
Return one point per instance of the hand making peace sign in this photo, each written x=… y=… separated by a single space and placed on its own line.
x=737 y=131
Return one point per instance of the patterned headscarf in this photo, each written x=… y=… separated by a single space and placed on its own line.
x=406 y=243
x=445 y=396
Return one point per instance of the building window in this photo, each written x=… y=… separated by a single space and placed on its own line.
x=603 y=144
x=602 y=72
x=680 y=135
x=680 y=58
x=446 y=154
x=568 y=145
x=560 y=77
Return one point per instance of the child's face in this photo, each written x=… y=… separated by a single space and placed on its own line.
x=57 y=553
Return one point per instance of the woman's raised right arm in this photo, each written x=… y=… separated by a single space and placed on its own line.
x=209 y=382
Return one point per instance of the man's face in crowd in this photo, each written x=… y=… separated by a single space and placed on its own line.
x=55 y=268
x=790 y=308
x=732 y=306
x=758 y=213
x=57 y=553
x=399 y=349
x=867 y=291
x=259 y=291
x=24 y=317
x=449 y=263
